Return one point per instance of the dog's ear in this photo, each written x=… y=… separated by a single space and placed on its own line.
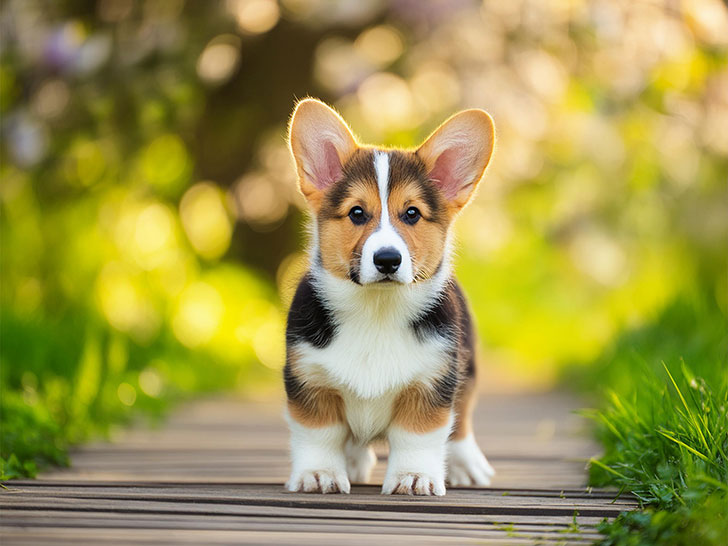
x=457 y=153
x=321 y=142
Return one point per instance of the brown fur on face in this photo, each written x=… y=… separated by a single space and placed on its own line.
x=341 y=241
x=409 y=187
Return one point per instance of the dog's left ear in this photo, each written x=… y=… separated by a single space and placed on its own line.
x=321 y=142
x=457 y=153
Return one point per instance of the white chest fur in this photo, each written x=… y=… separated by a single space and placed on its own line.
x=375 y=352
x=372 y=359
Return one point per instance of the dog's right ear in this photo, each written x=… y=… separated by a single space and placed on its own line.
x=321 y=142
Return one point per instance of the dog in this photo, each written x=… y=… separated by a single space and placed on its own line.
x=379 y=339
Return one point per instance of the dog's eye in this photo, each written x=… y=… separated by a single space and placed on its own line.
x=357 y=216
x=411 y=215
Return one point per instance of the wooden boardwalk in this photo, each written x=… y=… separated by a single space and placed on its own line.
x=213 y=474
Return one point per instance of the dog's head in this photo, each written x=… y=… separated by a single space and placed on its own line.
x=384 y=215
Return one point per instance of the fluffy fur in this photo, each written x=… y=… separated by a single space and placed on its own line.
x=377 y=351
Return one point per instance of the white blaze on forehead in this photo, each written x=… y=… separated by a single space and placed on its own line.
x=385 y=235
x=381 y=168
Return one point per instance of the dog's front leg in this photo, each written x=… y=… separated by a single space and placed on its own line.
x=318 y=460
x=416 y=461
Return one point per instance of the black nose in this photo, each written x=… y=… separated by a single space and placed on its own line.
x=387 y=260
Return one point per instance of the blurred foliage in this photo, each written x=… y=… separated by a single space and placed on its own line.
x=151 y=229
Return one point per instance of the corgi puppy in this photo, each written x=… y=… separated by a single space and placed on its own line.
x=379 y=338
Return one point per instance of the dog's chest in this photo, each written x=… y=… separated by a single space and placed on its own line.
x=371 y=358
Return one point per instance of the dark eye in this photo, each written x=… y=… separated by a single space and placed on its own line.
x=358 y=216
x=411 y=215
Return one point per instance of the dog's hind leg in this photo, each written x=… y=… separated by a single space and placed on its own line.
x=466 y=463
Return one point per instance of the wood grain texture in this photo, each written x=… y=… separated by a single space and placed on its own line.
x=213 y=474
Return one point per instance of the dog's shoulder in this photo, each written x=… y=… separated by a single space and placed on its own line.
x=309 y=320
x=448 y=315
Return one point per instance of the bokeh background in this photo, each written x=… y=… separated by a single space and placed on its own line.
x=151 y=228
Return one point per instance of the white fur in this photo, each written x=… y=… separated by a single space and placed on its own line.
x=373 y=356
x=466 y=464
x=318 y=460
x=375 y=351
x=416 y=461
x=385 y=236
x=360 y=460
x=368 y=418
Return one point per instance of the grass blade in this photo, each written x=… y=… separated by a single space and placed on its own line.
x=683 y=444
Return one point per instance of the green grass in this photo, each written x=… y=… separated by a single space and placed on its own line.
x=72 y=378
x=663 y=422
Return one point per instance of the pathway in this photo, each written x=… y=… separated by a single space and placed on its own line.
x=213 y=474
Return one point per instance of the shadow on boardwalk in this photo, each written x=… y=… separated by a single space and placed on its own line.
x=213 y=474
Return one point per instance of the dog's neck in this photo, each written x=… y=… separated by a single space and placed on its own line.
x=383 y=303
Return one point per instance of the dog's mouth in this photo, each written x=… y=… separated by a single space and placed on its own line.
x=382 y=279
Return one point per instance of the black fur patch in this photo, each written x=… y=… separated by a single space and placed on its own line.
x=308 y=318
x=443 y=390
x=354 y=274
x=295 y=388
x=467 y=335
x=450 y=318
x=440 y=319
x=405 y=165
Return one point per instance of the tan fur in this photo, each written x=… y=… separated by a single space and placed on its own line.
x=316 y=404
x=425 y=239
x=464 y=406
x=341 y=240
x=320 y=408
x=415 y=410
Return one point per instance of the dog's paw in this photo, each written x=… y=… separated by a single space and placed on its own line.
x=319 y=481
x=410 y=483
x=467 y=465
x=360 y=459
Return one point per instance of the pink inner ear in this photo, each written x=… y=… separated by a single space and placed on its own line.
x=328 y=170
x=444 y=173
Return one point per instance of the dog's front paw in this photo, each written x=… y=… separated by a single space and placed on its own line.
x=411 y=483
x=319 y=481
x=467 y=465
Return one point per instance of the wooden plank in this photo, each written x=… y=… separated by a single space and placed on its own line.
x=390 y=528
x=533 y=441
x=40 y=484
x=54 y=536
x=21 y=517
x=214 y=475
x=527 y=506
x=152 y=521
x=369 y=494
x=556 y=476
